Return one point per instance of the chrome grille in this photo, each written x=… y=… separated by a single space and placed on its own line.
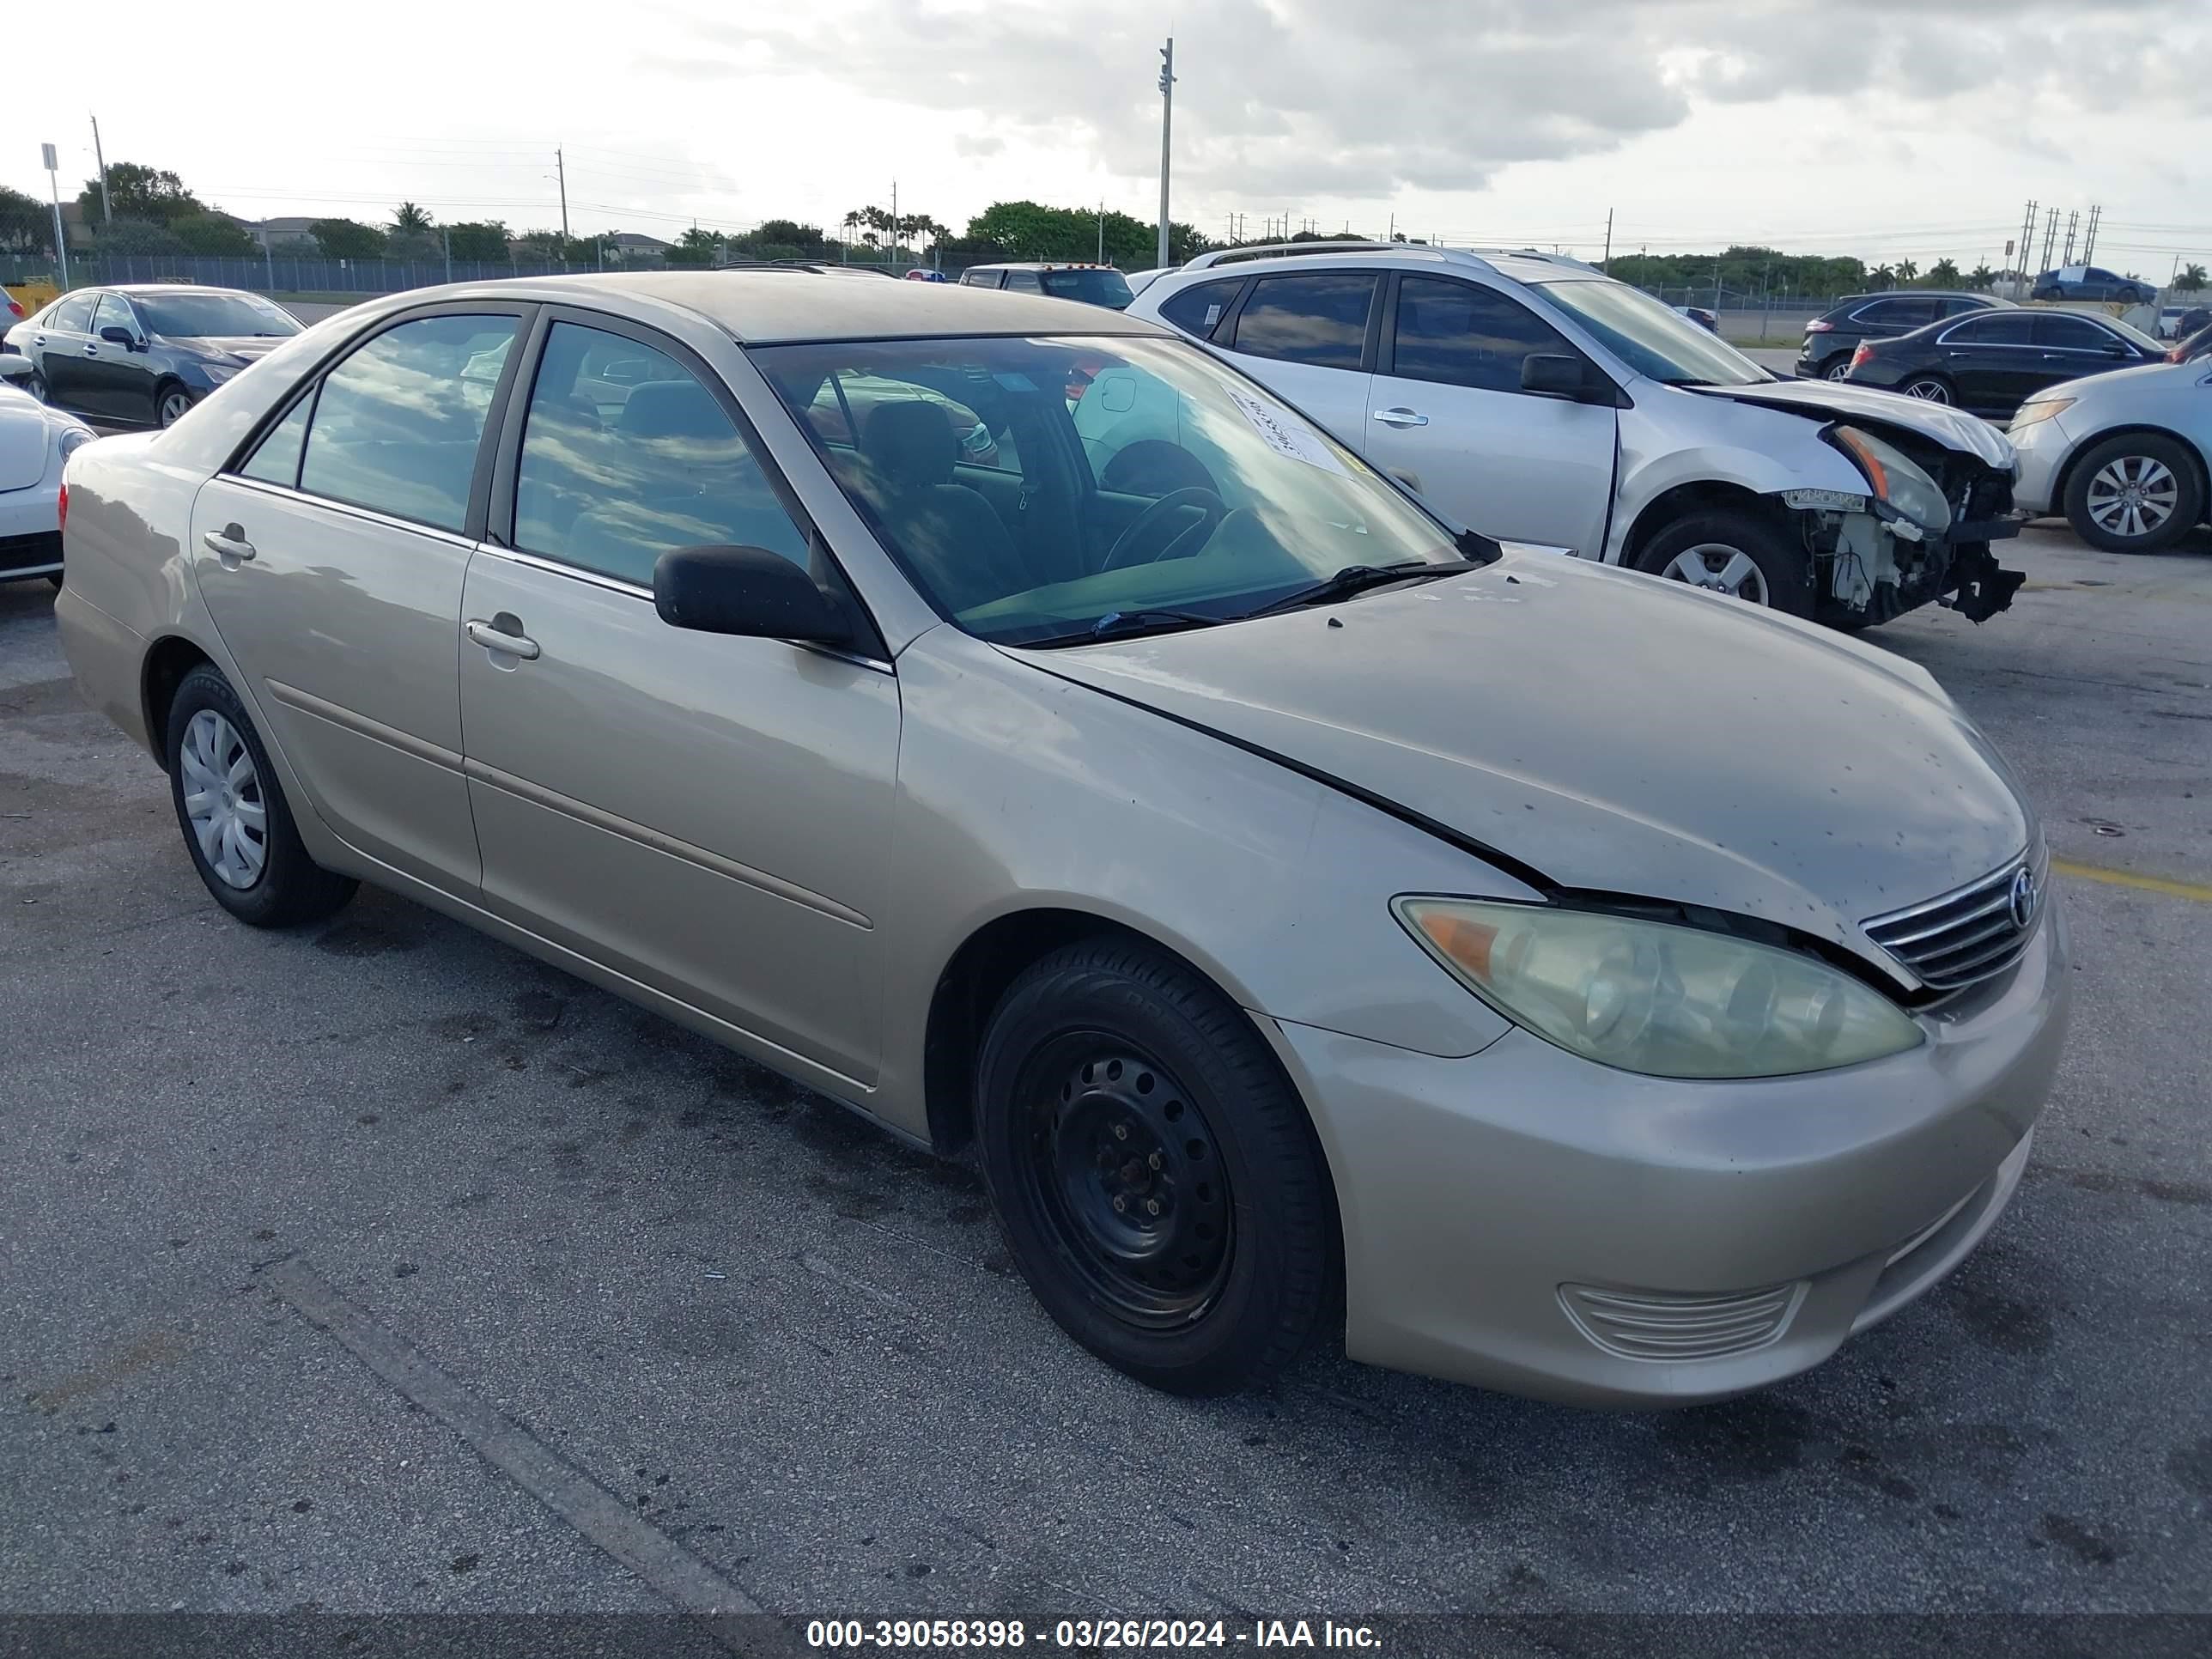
x=1968 y=935
x=1660 y=1325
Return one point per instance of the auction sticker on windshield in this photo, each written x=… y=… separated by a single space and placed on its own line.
x=1288 y=437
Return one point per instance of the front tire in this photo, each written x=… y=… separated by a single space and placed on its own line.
x=1737 y=553
x=237 y=826
x=1930 y=389
x=1837 y=368
x=35 y=383
x=2134 y=494
x=1157 y=1179
x=172 y=402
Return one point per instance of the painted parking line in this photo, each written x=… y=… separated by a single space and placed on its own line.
x=2197 y=891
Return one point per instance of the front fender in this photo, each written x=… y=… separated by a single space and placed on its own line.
x=1763 y=450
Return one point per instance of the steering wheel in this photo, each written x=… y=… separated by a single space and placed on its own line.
x=1214 y=508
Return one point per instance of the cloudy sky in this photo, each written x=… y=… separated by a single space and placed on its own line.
x=1881 y=127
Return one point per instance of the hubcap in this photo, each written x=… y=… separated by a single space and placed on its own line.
x=1129 y=1178
x=223 y=801
x=2132 y=495
x=1719 y=569
x=174 y=407
x=1928 y=391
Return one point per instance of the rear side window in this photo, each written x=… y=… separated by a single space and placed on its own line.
x=397 y=424
x=276 y=459
x=1320 y=320
x=1199 y=310
x=614 y=472
x=1998 y=328
x=1960 y=307
x=1458 y=334
x=73 y=315
x=1898 y=314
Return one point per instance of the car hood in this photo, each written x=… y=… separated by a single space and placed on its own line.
x=244 y=347
x=1610 y=733
x=26 y=437
x=1839 y=400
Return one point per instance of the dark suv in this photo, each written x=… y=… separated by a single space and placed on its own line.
x=2092 y=283
x=1832 y=338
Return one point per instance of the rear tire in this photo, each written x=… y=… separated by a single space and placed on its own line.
x=35 y=383
x=1157 y=1179
x=1836 y=367
x=2136 y=493
x=1711 y=550
x=236 y=824
x=1930 y=389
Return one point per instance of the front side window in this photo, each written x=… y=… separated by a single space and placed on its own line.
x=113 y=312
x=1652 y=338
x=398 y=422
x=1200 y=492
x=1199 y=310
x=2071 y=334
x=1320 y=320
x=73 y=315
x=1458 y=334
x=627 y=455
x=1024 y=280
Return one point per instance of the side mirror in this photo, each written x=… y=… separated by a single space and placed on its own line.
x=116 y=334
x=746 y=591
x=1556 y=374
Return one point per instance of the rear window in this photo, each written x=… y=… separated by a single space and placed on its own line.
x=1093 y=287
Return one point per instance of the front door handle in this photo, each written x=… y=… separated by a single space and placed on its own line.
x=1401 y=418
x=230 y=544
x=498 y=639
x=92 y=352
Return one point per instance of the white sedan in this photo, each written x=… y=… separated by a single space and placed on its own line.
x=34 y=441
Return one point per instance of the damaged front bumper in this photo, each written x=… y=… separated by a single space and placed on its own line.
x=1871 y=564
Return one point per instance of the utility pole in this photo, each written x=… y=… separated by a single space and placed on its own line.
x=2089 y=247
x=106 y=207
x=449 y=229
x=1606 y=263
x=61 y=242
x=2050 y=237
x=2026 y=248
x=561 y=170
x=1102 y=230
x=1167 y=128
x=895 y=225
x=2072 y=220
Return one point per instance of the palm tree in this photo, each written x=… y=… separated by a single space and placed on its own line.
x=1906 y=270
x=409 y=217
x=1944 y=273
x=2191 y=277
x=1882 y=277
x=1981 y=276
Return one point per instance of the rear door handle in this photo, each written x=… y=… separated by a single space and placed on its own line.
x=1401 y=418
x=230 y=544
x=498 y=639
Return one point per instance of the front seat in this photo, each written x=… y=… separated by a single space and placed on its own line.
x=957 y=541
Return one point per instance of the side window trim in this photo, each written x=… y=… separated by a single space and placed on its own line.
x=498 y=528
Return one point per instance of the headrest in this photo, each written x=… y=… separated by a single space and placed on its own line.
x=911 y=443
x=673 y=409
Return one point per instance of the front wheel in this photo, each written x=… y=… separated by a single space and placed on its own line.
x=1737 y=553
x=171 y=404
x=1158 y=1180
x=238 y=827
x=35 y=383
x=2134 y=493
x=1837 y=368
x=1929 y=388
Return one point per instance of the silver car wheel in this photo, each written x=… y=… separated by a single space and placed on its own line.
x=1719 y=570
x=2133 y=496
x=174 y=406
x=1841 y=371
x=1928 y=391
x=223 y=799
x=36 y=385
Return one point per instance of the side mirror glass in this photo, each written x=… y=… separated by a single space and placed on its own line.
x=745 y=591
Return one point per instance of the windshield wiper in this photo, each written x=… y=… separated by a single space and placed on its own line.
x=1358 y=578
x=1125 y=624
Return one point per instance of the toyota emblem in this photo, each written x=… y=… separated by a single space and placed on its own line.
x=2023 y=898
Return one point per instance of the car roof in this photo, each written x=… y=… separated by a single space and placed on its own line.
x=1920 y=293
x=1044 y=264
x=1517 y=264
x=172 y=288
x=767 y=308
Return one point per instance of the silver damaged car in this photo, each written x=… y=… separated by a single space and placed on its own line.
x=1300 y=911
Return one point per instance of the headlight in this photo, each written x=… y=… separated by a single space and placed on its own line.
x=72 y=439
x=218 y=372
x=1649 y=997
x=1896 y=480
x=2033 y=414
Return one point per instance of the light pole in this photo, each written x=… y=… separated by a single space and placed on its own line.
x=1167 y=124
x=61 y=241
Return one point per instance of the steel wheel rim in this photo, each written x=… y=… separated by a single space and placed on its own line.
x=2133 y=496
x=1128 y=1178
x=223 y=801
x=1928 y=391
x=174 y=407
x=1719 y=569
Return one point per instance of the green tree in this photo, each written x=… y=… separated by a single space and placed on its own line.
x=27 y=224
x=694 y=247
x=155 y=194
x=1944 y=273
x=409 y=217
x=347 y=238
x=128 y=236
x=479 y=243
x=214 y=235
x=1981 y=276
x=2190 y=277
x=1907 y=270
x=1029 y=230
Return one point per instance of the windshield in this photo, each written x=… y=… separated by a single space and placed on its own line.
x=202 y=316
x=1093 y=287
x=1652 y=338
x=1119 y=476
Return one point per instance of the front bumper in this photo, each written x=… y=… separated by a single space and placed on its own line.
x=1529 y=1221
x=2043 y=448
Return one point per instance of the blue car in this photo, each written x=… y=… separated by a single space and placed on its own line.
x=2093 y=283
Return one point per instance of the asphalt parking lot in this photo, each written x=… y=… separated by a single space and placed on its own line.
x=798 y=1351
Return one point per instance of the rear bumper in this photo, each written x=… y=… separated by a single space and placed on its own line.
x=108 y=661
x=39 y=554
x=1525 y=1220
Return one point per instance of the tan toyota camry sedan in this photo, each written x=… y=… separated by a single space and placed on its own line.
x=1580 y=984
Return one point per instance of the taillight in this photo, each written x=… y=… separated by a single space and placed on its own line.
x=1820 y=328
x=2173 y=354
x=1864 y=354
x=62 y=509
